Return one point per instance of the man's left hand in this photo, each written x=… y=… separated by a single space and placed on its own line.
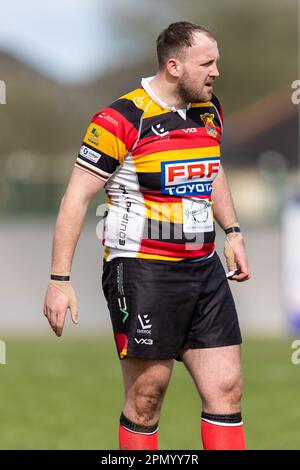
x=236 y=257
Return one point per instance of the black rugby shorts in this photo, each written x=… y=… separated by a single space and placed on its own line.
x=158 y=307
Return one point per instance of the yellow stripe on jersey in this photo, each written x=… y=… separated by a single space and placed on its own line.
x=208 y=104
x=104 y=141
x=151 y=163
x=151 y=256
x=155 y=110
x=164 y=211
x=106 y=252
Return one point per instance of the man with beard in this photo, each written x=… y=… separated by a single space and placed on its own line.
x=156 y=152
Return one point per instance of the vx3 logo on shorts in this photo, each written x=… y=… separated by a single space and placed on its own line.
x=146 y=341
x=158 y=130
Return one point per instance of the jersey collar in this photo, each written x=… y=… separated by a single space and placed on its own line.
x=147 y=87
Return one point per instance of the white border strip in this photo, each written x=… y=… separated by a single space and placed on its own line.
x=217 y=423
x=136 y=432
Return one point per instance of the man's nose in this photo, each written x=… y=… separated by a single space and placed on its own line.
x=214 y=72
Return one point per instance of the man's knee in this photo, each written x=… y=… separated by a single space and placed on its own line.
x=226 y=392
x=145 y=403
x=232 y=389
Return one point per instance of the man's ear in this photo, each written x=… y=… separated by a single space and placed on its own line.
x=173 y=66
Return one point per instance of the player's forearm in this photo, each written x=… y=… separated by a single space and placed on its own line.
x=67 y=230
x=223 y=208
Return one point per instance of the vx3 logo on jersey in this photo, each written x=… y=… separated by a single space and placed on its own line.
x=190 y=130
x=158 y=130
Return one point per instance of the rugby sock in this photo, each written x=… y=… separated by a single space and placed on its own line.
x=135 y=437
x=222 y=432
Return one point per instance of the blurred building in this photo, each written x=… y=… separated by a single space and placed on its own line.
x=270 y=123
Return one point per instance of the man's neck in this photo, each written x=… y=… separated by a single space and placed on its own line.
x=165 y=89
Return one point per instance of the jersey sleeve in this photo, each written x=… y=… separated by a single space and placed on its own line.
x=108 y=139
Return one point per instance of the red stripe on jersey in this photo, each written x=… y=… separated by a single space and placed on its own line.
x=156 y=247
x=156 y=144
x=156 y=196
x=117 y=124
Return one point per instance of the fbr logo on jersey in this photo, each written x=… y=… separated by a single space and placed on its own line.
x=189 y=177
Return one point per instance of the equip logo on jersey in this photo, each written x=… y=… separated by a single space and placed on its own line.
x=208 y=120
x=189 y=177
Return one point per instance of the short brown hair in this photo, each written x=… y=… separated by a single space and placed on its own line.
x=175 y=37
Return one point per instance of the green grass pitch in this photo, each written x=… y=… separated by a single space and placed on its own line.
x=67 y=394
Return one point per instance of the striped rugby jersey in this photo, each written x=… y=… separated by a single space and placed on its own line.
x=158 y=164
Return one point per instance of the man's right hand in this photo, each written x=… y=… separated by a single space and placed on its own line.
x=59 y=297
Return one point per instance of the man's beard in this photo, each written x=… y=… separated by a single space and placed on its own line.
x=190 y=94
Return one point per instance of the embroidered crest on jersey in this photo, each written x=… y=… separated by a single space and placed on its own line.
x=208 y=120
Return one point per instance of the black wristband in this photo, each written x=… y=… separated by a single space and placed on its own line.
x=56 y=277
x=232 y=230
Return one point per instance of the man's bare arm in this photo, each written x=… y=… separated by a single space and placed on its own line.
x=225 y=215
x=81 y=190
x=224 y=211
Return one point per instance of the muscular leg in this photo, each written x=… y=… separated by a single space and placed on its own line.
x=145 y=383
x=217 y=376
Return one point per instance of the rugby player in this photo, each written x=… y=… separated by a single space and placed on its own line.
x=156 y=153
